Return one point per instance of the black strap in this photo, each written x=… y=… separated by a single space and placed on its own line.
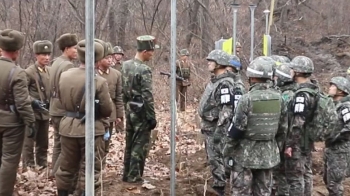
x=41 y=84
x=80 y=98
x=78 y=115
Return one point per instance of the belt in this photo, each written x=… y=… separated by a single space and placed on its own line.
x=78 y=115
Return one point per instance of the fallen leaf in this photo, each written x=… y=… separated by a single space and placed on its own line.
x=148 y=186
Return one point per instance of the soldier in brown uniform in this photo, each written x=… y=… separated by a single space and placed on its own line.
x=183 y=69
x=118 y=54
x=15 y=109
x=38 y=77
x=114 y=80
x=67 y=44
x=72 y=127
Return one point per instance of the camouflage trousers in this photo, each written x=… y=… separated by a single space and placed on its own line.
x=216 y=160
x=299 y=173
x=280 y=184
x=40 y=143
x=72 y=161
x=137 y=139
x=247 y=182
x=11 y=141
x=336 y=169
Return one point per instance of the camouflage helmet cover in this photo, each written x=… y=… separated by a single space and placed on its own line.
x=342 y=84
x=118 y=50
x=284 y=72
x=184 y=52
x=261 y=67
x=238 y=45
x=302 y=64
x=220 y=57
x=281 y=59
x=235 y=62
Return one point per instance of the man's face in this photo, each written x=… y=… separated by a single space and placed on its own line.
x=332 y=90
x=118 y=57
x=211 y=66
x=147 y=54
x=72 y=52
x=43 y=59
x=238 y=49
x=184 y=57
x=105 y=62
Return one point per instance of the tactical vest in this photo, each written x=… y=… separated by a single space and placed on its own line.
x=184 y=70
x=208 y=106
x=264 y=117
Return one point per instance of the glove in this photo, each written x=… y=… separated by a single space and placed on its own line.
x=152 y=123
x=37 y=104
x=31 y=131
x=106 y=135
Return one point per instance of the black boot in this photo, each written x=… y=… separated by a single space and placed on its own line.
x=220 y=190
x=62 y=193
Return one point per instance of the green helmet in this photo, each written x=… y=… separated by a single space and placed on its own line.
x=184 y=52
x=281 y=59
x=220 y=57
x=302 y=64
x=342 y=84
x=261 y=67
x=284 y=72
x=118 y=50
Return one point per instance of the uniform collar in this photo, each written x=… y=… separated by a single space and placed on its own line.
x=101 y=72
x=42 y=69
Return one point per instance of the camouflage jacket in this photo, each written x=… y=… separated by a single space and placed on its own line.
x=215 y=113
x=253 y=153
x=340 y=138
x=137 y=81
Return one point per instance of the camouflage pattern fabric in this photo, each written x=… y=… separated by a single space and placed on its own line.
x=342 y=84
x=302 y=64
x=281 y=59
x=137 y=81
x=247 y=182
x=184 y=52
x=220 y=57
x=261 y=67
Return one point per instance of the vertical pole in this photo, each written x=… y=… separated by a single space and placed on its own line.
x=266 y=12
x=90 y=98
x=235 y=9
x=252 y=8
x=173 y=93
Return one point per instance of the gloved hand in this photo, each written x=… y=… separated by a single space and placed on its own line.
x=152 y=123
x=37 y=104
x=31 y=131
x=106 y=135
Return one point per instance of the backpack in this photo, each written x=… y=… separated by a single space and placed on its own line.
x=320 y=118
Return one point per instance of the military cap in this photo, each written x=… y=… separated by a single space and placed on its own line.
x=67 y=40
x=146 y=42
x=184 y=52
x=281 y=59
x=220 y=57
x=284 y=72
x=342 y=84
x=118 y=50
x=302 y=64
x=42 y=47
x=261 y=67
x=105 y=47
x=99 y=51
x=110 y=49
x=238 y=45
x=235 y=62
x=11 y=40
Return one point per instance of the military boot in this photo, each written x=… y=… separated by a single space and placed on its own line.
x=62 y=193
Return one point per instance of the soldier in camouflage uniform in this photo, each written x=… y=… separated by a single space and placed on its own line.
x=139 y=108
x=283 y=77
x=183 y=69
x=38 y=77
x=337 y=151
x=256 y=133
x=216 y=111
x=118 y=54
x=299 y=142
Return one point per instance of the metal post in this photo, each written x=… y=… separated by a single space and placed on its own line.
x=90 y=98
x=172 y=97
x=235 y=9
x=252 y=8
x=266 y=12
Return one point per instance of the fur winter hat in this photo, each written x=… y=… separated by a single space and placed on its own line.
x=42 y=47
x=99 y=51
x=11 y=40
x=67 y=40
